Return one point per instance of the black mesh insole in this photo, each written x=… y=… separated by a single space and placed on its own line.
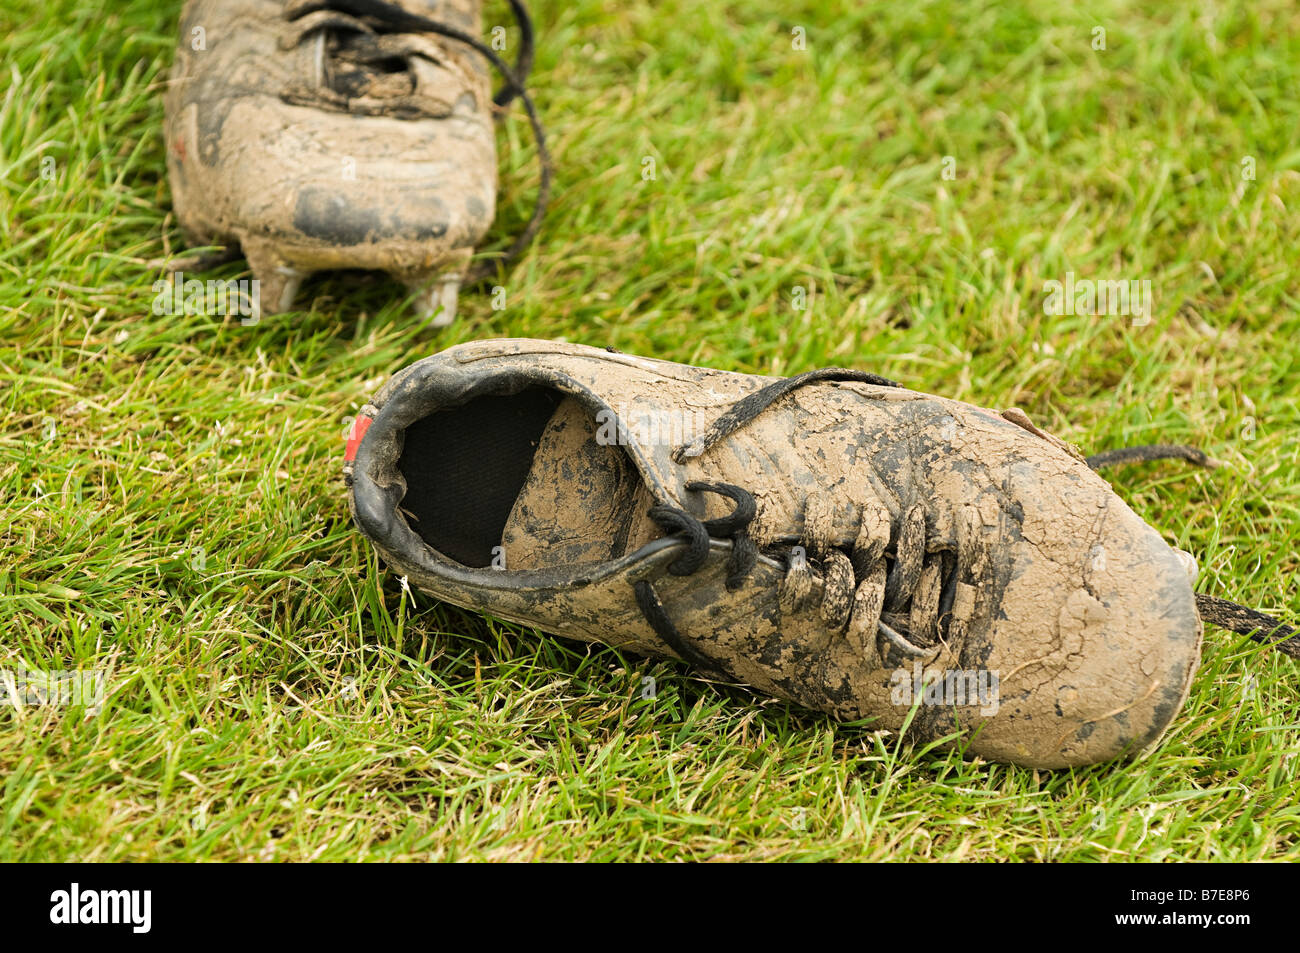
x=464 y=467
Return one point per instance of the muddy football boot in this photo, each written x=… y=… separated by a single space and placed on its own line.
x=832 y=539
x=331 y=134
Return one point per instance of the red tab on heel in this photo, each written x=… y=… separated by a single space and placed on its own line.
x=359 y=428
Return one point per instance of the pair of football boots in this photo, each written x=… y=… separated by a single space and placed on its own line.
x=832 y=538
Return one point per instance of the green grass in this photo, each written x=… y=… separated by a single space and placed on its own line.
x=275 y=697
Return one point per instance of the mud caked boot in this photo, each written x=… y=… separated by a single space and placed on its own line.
x=831 y=538
x=333 y=134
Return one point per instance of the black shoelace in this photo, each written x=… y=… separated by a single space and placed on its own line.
x=870 y=609
x=390 y=17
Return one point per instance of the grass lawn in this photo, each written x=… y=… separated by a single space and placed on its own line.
x=171 y=508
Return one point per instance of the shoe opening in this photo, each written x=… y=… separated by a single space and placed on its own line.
x=522 y=482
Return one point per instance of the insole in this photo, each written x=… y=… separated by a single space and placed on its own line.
x=464 y=467
x=525 y=473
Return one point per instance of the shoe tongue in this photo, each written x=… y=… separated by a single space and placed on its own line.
x=583 y=502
